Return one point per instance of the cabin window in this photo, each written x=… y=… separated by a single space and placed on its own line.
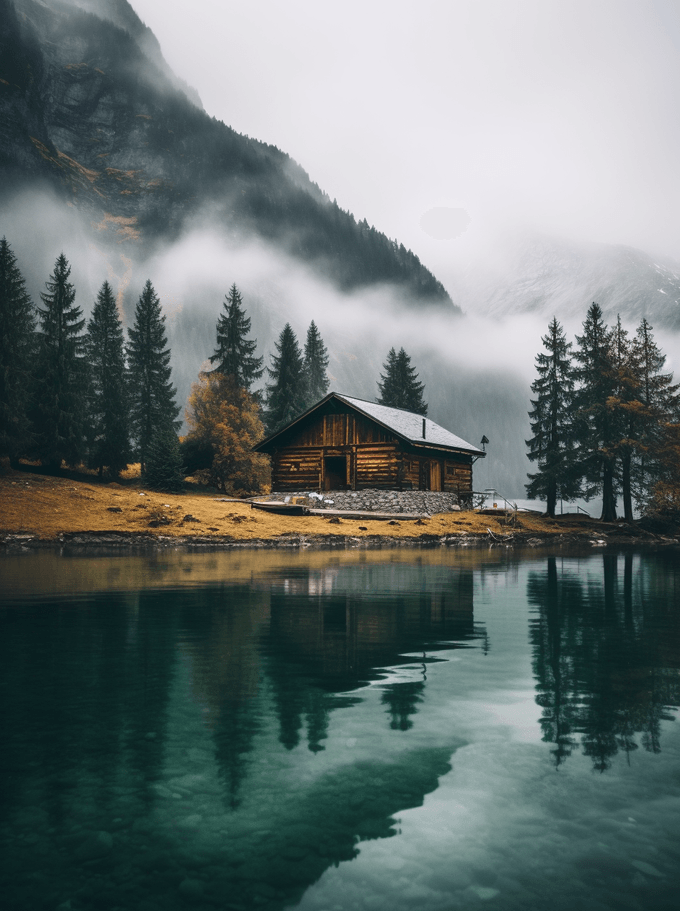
x=450 y=470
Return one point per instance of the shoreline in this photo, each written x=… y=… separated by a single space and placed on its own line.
x=39 y=512
x=106 y=541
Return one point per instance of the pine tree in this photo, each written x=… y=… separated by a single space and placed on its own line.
x=315 y=366
x=164 y=469
x=400 y=387
x=152 y=395
x=286 y=392
x=595 y=424
x=552 y=441
x=659 y=405
x=61 y=373
x=109 y=417
x=624 y=407
x=234 y=355
x=17 y=348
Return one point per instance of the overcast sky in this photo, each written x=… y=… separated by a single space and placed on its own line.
x=559 y=115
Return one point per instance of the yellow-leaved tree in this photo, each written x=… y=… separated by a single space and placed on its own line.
x=664 y=503
x=224 y=424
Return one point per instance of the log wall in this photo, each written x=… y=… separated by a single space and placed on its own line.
x=373 y=459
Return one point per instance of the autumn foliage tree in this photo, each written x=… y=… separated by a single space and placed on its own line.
x=224 y=420
x=664 y=501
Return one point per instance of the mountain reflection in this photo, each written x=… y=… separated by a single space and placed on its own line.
x=605 y=649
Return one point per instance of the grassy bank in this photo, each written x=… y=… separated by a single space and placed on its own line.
x=48 y=507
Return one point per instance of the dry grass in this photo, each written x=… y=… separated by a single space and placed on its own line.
x=32 y=503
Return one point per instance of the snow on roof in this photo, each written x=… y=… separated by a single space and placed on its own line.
x=410 y=426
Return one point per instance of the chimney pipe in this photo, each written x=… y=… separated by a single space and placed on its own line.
x=423 y=428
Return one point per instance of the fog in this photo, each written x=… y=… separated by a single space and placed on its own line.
x=555 y=116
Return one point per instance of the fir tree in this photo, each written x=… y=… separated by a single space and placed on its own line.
x=163 y=468
x=315 y=366
x=624 y=407
x=659 y=405
x=61 y=373
x=152 y=395
x=109 y=418
x=286 y=392
x=17 y=345
x=400 y=387
x=234 y=355
x=595 y=424
x=552 y=441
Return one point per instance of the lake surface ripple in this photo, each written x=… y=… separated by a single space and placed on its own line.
x=372 y=730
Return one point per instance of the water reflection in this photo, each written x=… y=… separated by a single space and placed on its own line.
x=605 y=647
x=156 y=740
x=230 y=744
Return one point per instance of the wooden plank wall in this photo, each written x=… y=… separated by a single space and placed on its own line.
x=375 y=459
x=457 y=476
x=337 y=430
x=378 y=466
x=296 y=469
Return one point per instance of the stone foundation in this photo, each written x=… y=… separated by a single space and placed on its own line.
x=413 y=501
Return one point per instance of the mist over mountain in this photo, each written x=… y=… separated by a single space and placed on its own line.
x=90 y=110
x=548 y=276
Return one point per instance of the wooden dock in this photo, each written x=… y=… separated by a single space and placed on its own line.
x=296 y=509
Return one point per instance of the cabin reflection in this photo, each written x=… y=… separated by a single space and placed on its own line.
x=347 y=622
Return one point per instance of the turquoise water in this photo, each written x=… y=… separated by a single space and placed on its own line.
x=393 y=730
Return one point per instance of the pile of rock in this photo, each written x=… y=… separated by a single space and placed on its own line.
x=406 y=501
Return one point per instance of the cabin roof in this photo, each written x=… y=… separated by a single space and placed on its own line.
x=405 y=424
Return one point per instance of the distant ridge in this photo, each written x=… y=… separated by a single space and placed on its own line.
x=550 y=276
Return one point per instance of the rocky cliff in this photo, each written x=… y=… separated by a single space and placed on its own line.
x=89 y=107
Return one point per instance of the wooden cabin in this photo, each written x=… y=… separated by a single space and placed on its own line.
x=343 y=443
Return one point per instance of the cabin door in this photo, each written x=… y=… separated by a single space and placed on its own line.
x=435 y=475
x=335 y=473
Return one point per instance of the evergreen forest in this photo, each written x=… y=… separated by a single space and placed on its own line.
x=605 y=421
x=605 y=413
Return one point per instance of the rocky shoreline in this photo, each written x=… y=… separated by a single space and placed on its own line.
x=117 y=541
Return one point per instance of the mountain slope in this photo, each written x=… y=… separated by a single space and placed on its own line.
x=550 y=277
x=88 y=106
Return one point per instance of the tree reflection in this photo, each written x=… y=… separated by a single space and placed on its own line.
x=602 y=655
x=332 y=633
x=91 y=691
x=403 y=699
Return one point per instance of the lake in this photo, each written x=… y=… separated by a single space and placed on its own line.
x=408 y=729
